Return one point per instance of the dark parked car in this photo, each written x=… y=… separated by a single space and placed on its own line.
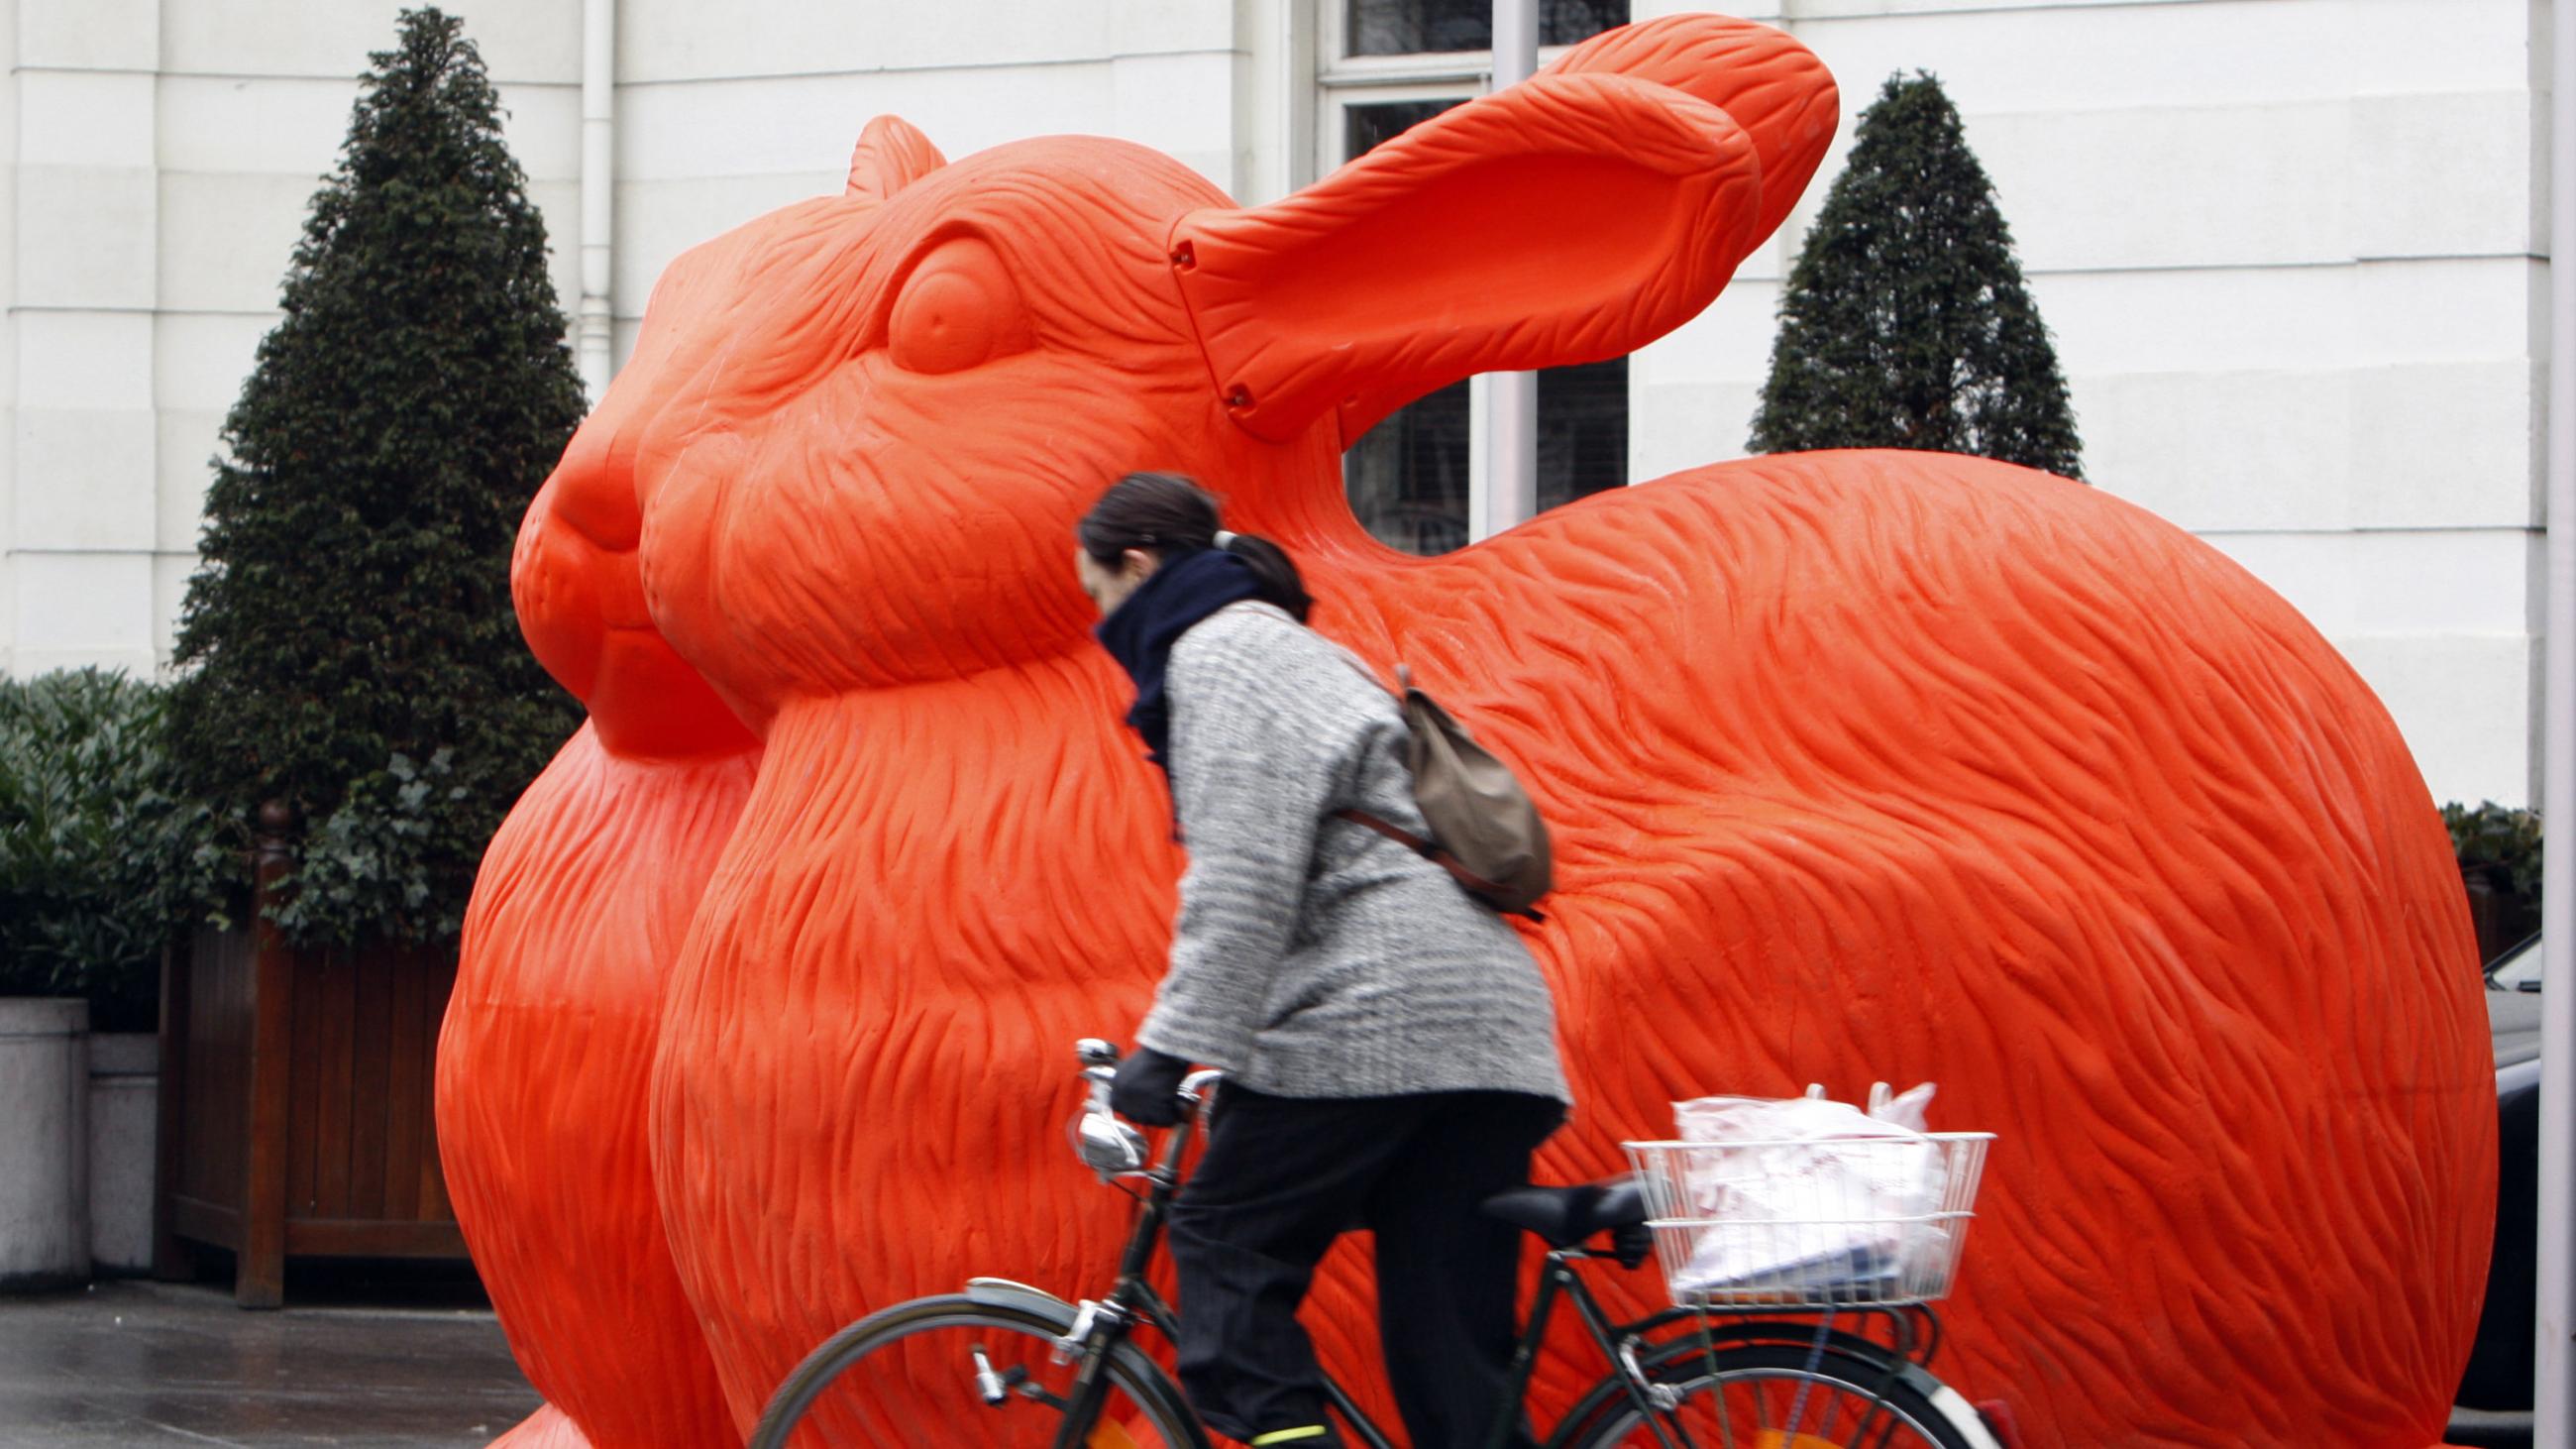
x=2499 y=1372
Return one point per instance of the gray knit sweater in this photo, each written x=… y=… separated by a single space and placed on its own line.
x=1314 y=957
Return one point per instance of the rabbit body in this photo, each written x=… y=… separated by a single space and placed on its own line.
x=1860 y=766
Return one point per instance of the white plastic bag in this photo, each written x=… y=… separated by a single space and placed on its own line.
x=1809 y=1197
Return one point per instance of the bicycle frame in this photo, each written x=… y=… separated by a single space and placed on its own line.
x=1099 y=1327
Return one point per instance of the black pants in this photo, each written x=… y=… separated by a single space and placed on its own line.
x=1283 y=1177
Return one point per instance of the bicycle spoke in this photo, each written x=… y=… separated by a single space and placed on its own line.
x=1825 y=1424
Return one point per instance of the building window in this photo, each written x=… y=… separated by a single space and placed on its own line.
x=1389 y=65
x=1431 y=27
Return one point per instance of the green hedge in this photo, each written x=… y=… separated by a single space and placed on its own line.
x=100 y=859
x=2501 y=840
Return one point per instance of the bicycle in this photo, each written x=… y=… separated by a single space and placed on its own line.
x=1768 y=1363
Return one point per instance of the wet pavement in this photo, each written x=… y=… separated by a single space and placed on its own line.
x=172 y=1365
x=129 y=1363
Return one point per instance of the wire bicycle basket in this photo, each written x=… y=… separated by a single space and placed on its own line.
x=1819 y=1222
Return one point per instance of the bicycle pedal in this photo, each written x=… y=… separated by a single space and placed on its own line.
x=988 y=1384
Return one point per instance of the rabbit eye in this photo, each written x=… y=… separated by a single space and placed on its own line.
x=959 y=309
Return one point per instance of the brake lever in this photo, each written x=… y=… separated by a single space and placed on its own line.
x=1200 y=1086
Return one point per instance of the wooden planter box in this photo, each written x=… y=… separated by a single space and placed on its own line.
x=296 y=1116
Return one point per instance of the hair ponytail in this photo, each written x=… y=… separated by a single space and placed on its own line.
x=1274 y=571
x=1165 y=513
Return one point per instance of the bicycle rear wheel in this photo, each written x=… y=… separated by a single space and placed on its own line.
x=950 y=1373
x=1781 y=1396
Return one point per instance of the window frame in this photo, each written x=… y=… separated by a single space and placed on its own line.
x=1343 y=80
x=1333 y=107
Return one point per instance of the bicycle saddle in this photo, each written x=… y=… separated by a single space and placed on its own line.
x=1565 y=1216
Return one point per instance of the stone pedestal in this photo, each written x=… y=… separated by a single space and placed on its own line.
x=44 y=1143
x=124 y=1075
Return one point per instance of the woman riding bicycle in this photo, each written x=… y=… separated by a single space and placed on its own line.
x=1389 y=1043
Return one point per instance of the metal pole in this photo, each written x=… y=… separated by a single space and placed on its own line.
x=594 y=346
x=1511 y=417
x=2553 y=1425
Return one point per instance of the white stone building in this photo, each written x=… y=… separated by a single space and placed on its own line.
x=2291 y=249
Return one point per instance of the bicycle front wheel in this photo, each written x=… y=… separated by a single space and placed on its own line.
x=951 y=1373
x=1781 y=1396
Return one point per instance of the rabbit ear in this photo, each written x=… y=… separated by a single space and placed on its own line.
x=892 y=154
x=1569 y=218
x=1772 y=86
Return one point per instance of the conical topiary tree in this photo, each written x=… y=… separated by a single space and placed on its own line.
x=1906 y=323
x=348 y=641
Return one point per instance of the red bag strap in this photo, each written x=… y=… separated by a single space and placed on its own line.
x=1430 y=852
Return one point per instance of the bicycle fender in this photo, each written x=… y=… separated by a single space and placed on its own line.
x=1963 y=1415
x=1004 y=1293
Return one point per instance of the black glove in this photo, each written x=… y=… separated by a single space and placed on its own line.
x=1147 y=1089
x=1631 y=1244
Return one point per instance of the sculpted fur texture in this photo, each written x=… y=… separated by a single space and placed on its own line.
x=1860 y=766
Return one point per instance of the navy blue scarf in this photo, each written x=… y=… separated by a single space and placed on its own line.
x=1140 y=632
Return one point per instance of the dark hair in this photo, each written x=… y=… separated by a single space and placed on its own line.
x=1164 y=514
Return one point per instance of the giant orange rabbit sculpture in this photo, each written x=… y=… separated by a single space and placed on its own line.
x=1861 y=765
x=580 y=908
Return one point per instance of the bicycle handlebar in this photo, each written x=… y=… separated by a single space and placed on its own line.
x=1113 y=1147
x=1100 y=1056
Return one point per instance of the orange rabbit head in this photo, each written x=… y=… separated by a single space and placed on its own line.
x=857 y=431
